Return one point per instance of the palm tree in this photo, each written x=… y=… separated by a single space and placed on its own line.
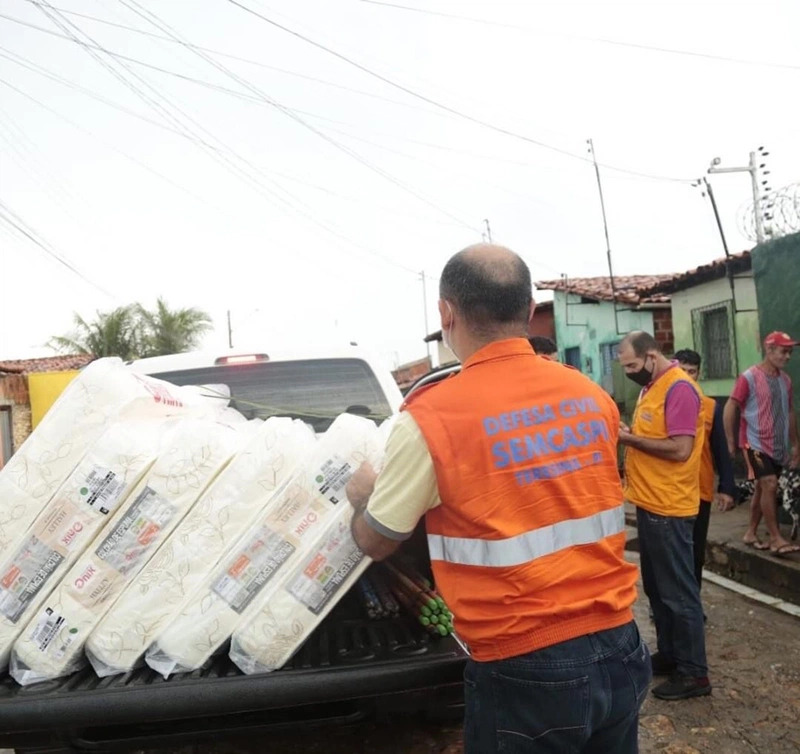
x=166 y=331
x=114 y=333
x=133 y=332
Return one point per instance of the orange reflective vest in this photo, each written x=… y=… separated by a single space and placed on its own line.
x=527 y=546
x=707 y=473
x=666 y=488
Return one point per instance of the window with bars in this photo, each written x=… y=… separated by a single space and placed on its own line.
x=714 y=340
x=608 y=355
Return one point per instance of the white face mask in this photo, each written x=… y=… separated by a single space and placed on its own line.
x=446 y=333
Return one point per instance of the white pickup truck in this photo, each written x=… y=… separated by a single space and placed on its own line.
x=349 y=669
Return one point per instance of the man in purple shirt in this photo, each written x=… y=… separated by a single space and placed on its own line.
x=665 y=525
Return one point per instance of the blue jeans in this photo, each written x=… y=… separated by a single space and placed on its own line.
x=578 y=697
x=666 y=547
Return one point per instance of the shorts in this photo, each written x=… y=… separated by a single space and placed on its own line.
x=760 y=465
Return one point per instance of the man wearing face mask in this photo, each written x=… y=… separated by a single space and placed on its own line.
x=662 y=478
x=513 y=464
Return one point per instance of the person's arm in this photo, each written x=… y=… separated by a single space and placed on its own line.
x=681 y=409
x=389 y=505
x=794 y=439
x=722 y=461
x=670 y=448
x=730 y=417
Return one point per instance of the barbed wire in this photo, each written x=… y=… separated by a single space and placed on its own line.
x=779 y=210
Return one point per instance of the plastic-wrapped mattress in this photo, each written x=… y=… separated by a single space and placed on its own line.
x=192 y=454
x=279 y=538
x=224 y=512
x=80 y=508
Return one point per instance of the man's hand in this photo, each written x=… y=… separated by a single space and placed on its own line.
x=626 y=437
x=361 y=484
x=624 y=427
x=724 y=502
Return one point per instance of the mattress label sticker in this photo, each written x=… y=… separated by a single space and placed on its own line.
x=332 y=478
x=101 y=490
x=324 y=572
x=51 y=629
x=27 y=573
x=137 y=532
x=253 y=568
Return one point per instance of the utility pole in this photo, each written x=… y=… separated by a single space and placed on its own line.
x=605 y=229
x=752 y=167
x=230 y=331
x=728 y=266
x=425 y=311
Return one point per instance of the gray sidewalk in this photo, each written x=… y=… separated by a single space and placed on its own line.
x=728 y=556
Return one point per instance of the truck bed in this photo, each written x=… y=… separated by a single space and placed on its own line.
x=338 y=676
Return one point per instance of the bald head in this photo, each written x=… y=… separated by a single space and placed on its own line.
x=490 y=286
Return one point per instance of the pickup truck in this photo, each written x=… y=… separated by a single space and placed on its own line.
x=349 y=670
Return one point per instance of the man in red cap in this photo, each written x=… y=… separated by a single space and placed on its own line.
x=768 y=436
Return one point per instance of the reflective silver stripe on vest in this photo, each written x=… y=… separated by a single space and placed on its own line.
x=524 y=548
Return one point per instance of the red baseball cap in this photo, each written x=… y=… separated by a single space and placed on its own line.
x=780 y=339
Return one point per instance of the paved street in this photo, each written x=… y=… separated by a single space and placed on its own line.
x=755 y=660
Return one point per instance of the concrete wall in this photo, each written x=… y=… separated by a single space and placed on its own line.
x=747 y=340
x=589 y=326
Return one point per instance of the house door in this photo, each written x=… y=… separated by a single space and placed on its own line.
x=6 y=435
x=572 y=357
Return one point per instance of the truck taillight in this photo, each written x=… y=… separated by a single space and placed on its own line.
x=250 y=358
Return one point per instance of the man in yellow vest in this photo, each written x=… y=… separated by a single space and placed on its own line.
x=662 y=478
x=715 y=462
x=513 y=463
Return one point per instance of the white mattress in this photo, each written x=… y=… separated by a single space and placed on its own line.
x=294 y=605
x=104 y=390
x=279 y=538
x=81 y=507
x=301 y=599
x=223 y=513
x=193 y=453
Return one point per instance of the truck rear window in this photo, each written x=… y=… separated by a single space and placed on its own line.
x=316 y=391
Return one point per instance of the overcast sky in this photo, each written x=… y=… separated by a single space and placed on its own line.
x=307 y=197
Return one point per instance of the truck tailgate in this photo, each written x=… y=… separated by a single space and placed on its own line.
x=343 y=659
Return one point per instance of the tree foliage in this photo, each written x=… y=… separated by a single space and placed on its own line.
x=133 y=332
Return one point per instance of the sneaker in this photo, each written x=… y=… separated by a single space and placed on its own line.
x=682 y=687
x=662 y=665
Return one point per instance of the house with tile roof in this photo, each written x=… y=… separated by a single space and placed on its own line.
x=593 y=314
x=28 y=387
x=715 y=312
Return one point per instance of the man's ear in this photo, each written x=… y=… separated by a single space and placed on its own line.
x=446 y=314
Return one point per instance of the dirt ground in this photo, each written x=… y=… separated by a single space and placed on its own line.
x=754 y=655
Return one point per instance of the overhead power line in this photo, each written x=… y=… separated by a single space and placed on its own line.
x=582 y=38
x=224 y=155
x=442 y=106
x=260 y=97
x=159 y=24
x=13 y=220
x=241 y=59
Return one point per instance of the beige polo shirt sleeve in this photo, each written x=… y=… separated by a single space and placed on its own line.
x=406 y=488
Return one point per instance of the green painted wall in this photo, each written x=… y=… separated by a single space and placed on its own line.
x=588 y=326
x=777 y=272
x=748 y=346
